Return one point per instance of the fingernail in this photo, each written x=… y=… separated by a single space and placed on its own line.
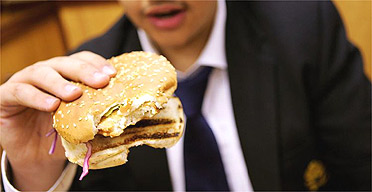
x=98 y=75
x=109 y=70
x=50 y=101
x=71 y=88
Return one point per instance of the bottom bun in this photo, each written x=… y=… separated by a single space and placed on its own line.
x=163 y=130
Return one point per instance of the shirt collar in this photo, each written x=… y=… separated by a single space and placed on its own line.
x=213 y=54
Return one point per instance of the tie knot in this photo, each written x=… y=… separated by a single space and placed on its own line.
x=191 y=91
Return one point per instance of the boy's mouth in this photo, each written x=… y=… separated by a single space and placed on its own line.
x=166 y=16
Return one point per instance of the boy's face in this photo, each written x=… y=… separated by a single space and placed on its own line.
x=172 y=23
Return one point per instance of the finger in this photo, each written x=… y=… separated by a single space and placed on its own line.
x=96 y=60
x=79 y=70
x=28 y=96
x=51 y=81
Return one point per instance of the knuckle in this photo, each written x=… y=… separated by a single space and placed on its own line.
x=27 y=71
x=17 y=92
x=86 y=52
x=57 y=60
x=82 y=54
x=16 y=76
x=40 y=63
x=48 y=77
x=84 y=66
x=32 y=68
x=39 y=72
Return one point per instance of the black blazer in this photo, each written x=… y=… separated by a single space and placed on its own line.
x=300 y=97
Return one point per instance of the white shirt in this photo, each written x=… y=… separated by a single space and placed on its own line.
x=217 y=110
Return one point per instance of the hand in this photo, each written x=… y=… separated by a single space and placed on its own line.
x=27 y=99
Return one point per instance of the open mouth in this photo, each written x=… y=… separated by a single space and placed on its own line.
x=166 y=16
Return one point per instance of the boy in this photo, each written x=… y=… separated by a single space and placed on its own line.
x=286 y=96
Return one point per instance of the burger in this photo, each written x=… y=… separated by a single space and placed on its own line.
x=137 y=107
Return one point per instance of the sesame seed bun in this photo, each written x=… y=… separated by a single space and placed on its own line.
x=135 y=108
x=162 y=130
x=143 y=84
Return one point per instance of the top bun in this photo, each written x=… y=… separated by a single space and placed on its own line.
x=143 y=84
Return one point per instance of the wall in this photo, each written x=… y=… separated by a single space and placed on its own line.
x=36 y=31
x=357 y=16
x=43 y=30
x=39 y=30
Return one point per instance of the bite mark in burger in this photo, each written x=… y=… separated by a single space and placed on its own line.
x=135 y=108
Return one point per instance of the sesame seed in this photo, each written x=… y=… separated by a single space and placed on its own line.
x=68 y=111
x=62 y=126
x=67 y=126
x=74 y=125
x=80 y=118
x=86 y=118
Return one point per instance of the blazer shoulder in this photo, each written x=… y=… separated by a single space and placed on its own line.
x=297 y=30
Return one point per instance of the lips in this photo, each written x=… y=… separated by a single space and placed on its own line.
x=166 y=16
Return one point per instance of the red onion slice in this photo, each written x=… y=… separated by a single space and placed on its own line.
x=53 y=146
x=86 y=161
x=51 y=150
x=50 y=132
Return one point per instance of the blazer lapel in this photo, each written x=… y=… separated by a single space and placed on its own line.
x=252 y=74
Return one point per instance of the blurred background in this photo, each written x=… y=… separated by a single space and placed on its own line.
x=37 y=30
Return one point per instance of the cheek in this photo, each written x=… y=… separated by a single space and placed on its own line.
x=201 y=17
x=133 y=11
x=203 y=11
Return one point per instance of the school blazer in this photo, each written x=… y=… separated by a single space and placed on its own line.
x=300 y=98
